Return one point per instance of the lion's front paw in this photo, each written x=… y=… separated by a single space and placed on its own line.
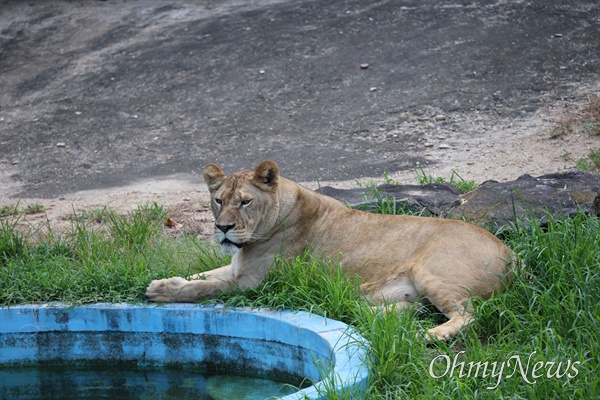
x=166 y=290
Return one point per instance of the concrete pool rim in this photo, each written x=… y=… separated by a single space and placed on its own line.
x=282 y=340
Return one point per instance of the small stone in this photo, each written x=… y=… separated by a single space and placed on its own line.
x=444 y=146
x=262 y=71
x=364 y=66
x=440 y=117
x=428 y=144
x=16 y=162
x=77 y=112
x=373 y=89
x=186 y=199
x=60 y=144
x=558 y=35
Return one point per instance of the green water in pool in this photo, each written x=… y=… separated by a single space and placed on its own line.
x=116 y=382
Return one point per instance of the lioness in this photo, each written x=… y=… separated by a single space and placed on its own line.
x=400 y=259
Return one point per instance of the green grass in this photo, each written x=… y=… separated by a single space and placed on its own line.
x=34 y=209
x=423 y=178
x=98 y=215
x=8 y=210
x=91 y=263
x=594 y=156
x=590 y=164
x=549 y=316
x=387 y=179
x=13 y=210
x=455 y=180
x=592 y=126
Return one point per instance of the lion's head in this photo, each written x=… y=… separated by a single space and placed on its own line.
x=245 y=204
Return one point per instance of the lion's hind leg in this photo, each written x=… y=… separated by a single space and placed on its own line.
x=452 y=299
x=456 y=320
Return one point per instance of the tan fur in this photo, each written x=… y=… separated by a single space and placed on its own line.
x=400 y=259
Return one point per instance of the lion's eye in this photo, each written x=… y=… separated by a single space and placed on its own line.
x=245 y=202
x=219 y=201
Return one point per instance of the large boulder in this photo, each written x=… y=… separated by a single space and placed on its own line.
x=493 y=203
x=559 y=195
x=436 y=198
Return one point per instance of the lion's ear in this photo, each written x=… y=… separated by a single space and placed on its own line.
x=266 y=173
x=213 y=176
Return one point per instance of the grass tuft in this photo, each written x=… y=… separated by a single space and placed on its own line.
x=586 y=120
x=34 y=209
x=455 y=180
x=90 y=264
x=304 y=283
x=380 y=203
x=12 y=244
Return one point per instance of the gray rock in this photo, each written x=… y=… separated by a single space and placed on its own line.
x=495 y=204
x=559 y=195
x=436 y=199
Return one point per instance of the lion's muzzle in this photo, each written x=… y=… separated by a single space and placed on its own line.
x=228 y=238
x=225 y=228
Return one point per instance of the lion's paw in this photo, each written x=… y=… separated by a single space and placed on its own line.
x=437 y=333
x=165 y=290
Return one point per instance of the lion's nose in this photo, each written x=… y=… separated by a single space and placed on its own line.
x=225 y=228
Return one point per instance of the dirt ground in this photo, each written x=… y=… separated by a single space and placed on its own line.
x=116 y=103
